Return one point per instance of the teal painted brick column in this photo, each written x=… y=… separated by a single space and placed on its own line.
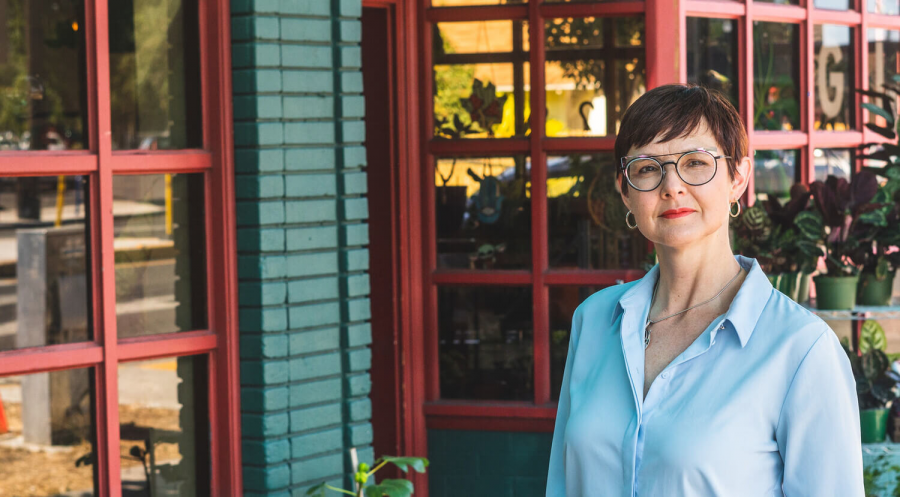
x=302 y=233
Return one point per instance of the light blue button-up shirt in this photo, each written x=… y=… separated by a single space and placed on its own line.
x=762 y=403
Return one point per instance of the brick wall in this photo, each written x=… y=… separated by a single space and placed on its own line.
x=301 y=211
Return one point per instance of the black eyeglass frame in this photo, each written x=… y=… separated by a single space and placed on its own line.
x=626 y=161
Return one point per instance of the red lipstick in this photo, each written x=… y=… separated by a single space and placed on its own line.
x=675 y=213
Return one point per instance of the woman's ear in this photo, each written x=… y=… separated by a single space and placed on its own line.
x=619 y=189
x=742 y=174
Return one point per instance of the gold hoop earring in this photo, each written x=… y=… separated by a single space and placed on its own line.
x=731 y=211
x=626 y=220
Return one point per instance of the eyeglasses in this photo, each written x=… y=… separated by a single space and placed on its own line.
x=695 y=167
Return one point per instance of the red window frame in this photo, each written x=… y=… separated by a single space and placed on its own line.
x=666 y=62
x=219 y=342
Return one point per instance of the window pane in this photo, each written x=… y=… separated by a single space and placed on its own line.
x=884 y=64
x=485 y=343
x=43 y=75
x=160 y=254
x=775 y=172
x=781 y=2
x=586 y=216
x=590 y=60
x=712 y=55
x=833 y=162
x=49 y=449
x=483 y=212
x=834 y=77
x=44 y=238
x=563 y=301
x=154 y=70
x=164 y=427
x=889 y=7
x=776 y=76
x=832 y=4
x=476 y=99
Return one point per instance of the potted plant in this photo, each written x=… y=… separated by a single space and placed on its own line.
x=388 y=487
x=876 y=382
x=840 y=203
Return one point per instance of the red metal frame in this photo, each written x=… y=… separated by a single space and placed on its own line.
x=106 y=352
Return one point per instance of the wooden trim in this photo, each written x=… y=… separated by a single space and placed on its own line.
x=598 y=9
x=715 y=9
x=50 y=358
x=585 y=144
x=168 y=345
x=593 y=278
x=480 y=13
x=777 y=13
x=477 y=147
x=42 y=163
x=182 y=161
x=769 y=140
x=461 y=277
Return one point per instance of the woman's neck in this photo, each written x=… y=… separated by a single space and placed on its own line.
x=689 y=277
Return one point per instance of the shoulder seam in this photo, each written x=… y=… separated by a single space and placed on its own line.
x=794 y=377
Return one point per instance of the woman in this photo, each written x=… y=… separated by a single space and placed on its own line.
x=699 y=379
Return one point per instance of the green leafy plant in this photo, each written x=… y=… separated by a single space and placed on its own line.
x=876 y=382
x=873 y=475
x=782 y=238
x=388 y=487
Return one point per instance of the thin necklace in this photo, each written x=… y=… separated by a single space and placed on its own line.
x=656 y=286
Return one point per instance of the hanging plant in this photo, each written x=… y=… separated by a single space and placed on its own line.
x=484 y=106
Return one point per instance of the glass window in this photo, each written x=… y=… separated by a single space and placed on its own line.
x=44 y=283
x=781 y=2
x=832 y=4
x=485 y=342
x=590 y=60
x=776 y=76
x=586 y=216
x=563 y=302
x=154 y=71
x=774 y=173
x=467 y=3
x=833 y=162
x=712 y=55
x=164 y=427
x=160 y=253
x=483 y=212
x=833 y=61
x=43 y=75
x=48 y=450
x=477 y=99
x=889 y=7
x=884 y=64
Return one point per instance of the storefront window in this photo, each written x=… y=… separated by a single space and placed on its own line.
x=43 y=75
x=780 y=2
x=595 y=69
x=834 y=109
x=889 y=7
x=833 y=162
x=164 y=427
x=47 y=446
x=483 y=212
x=563 y=302
x=776 y=76
x=774 y=173
x=832 y=4
x=884 y=64
x=586 y=216
x=478 y=99
x=485 y=342
x=154 y=70
x=468 y=3
x=712 y=55
x=160 y=254
x=44 y=261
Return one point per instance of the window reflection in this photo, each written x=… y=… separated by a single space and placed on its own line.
x=776 y=76
x=485 y=342
x=833 y=60
x=774 y=173
x=586 y=216
x=164 y=427
x=563 y=302
x=712 y=56
x=44 y=283
x=888 y=7
x=884 y=64
x=43 y=75
x=832 y=4
x=47 y=444
x=483 y=213
x=595 y=69
x=833 y=162
x=154 y=71
x=478 y=99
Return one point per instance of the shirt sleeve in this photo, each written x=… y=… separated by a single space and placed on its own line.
x=818 y=430
x=556 y=478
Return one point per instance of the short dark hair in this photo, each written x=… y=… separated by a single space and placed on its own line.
x=675 y=111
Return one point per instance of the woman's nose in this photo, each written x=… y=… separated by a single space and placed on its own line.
x=671 y=182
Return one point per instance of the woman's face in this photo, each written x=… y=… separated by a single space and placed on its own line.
x=709 y=203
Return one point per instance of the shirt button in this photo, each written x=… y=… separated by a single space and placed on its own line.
x=665 y=376
x=722 y=327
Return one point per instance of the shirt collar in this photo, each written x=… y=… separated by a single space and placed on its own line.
x=745 y=309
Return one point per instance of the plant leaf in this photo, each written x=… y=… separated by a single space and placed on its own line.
x=872 y=336
x=885 y=132
x=391 y=488
x=317 y=491
x=878 y=110
x=418 y=463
